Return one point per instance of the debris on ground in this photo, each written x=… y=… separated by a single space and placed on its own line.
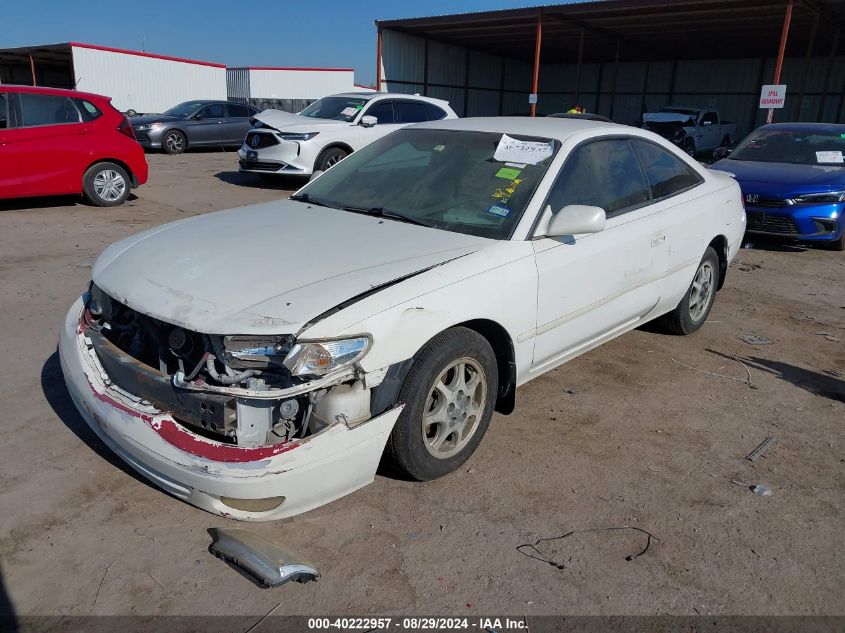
x=761 y=448
x=271 y=564
x=531 y=549
x=746 y=380
x=753 y=339
x=762 y=490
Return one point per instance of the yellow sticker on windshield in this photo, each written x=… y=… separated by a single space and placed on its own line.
x=507 y=173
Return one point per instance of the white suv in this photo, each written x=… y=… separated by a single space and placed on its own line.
x=330 y=129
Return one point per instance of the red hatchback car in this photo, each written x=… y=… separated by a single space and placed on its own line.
x=55 y=142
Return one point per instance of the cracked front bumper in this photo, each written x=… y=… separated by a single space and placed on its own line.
x=308 y=473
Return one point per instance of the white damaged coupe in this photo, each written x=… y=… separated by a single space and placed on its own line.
x=258 y=362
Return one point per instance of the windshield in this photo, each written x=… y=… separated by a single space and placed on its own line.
x=444 y=179
x=336 y=108
x=798 y=147
x=184 y=109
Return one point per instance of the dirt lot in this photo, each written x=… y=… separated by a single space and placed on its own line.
x=624 y=436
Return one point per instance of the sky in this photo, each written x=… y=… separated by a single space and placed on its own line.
x=261 y=33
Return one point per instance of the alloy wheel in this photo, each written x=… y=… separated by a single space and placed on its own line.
x=701 y=293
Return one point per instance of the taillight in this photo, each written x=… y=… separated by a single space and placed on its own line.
x=125 y=128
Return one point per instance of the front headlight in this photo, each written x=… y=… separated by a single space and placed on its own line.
x=827 y=197
x=323 y=357
x=246 y=352
x=149 y=126
x=297 y=136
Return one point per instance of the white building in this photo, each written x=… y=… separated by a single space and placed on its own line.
x=288 y=89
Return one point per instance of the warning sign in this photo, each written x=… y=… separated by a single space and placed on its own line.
x=772 y=96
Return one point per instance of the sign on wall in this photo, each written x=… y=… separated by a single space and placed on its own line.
x=773 y=96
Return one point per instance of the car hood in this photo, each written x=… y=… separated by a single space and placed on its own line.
x=286 y=121
x=135 y=121
x=269 y=268
x=783 y=179
x=666 y=117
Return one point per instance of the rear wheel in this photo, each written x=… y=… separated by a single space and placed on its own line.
x=692 y=311
x=105 y=185
x=449 y=396
x=329 y=158
x=174 y=142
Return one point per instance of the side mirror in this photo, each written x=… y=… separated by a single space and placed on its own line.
x=315 y=174
x=368 y=121
x=721 y=152
x=574 y=219
x=197 y=117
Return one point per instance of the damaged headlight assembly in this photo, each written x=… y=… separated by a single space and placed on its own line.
x=318 y=358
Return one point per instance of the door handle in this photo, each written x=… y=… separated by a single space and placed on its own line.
x=657 y=240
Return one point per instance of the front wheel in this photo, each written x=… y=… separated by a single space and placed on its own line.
x=105 y=185
x=174 y=142
x=836 y=245
x=689 y=146
x=692 y=311
x=329 y=158
x=449 y=396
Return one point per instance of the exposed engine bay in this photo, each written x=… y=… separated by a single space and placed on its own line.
x=672 y=131
x=233 y=389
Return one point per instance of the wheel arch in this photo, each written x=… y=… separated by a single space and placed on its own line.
x=502 y=345
x=720 y=245
x=335 y=144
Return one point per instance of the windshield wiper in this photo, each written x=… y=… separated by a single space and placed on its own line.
x=304 y=197
x=381 y=212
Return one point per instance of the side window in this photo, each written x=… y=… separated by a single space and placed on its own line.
x=383 y=111
x=410 y=111
x=87 y=109
x=238 y=111
x=47 y=110
x=434 y=113
x=214 y=111
x=666 y=174
x=604 y=174
x=710 y=117
x=4 y=111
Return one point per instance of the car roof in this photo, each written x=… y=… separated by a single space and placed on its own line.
x=546 y=127
x=807 y=127
x=392 y=95
x=65 y=92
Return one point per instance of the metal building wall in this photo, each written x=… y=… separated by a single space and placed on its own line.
x=299 y=83
x=145 y=83
x=622 y=92
x=237 y=84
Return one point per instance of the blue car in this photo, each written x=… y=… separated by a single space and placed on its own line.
x=792 y=177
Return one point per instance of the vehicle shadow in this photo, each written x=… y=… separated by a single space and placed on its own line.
x=282 y=183
x=8 y=619
x=55 y=391
x=827 y=386
x=48 y=202
x=772 y=245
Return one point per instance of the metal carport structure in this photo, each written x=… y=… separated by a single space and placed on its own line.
x=622 y=57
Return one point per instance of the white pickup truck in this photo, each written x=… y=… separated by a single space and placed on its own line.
x=692 y=129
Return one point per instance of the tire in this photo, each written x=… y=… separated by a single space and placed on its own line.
x=329 y=158
x=726 y=142
x=425 y=452
x=689 y=147
x=687 y=318
x=174 y=142
x=131 y=112
x=106 y=185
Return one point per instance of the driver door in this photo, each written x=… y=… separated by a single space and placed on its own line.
x=206 y=127
x=383 y=110
x=592 y=287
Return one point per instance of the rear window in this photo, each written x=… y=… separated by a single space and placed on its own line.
x=4 y=111
x=47 y=110
x=435 y=113
x=88 y=110
x=409 y=111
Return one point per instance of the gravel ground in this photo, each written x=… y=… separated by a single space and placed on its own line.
x=627 y=435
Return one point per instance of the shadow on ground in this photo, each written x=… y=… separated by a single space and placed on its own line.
x=56 y=393
x=47 y=202
x=8 y=619
x=817 y=383
x=261 y=181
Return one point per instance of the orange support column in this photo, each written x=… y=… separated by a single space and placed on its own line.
x=538 y=42
x=779 y=65
x=378 y=61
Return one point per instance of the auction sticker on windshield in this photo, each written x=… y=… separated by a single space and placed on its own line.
x=830 y=157
x=511 y=150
